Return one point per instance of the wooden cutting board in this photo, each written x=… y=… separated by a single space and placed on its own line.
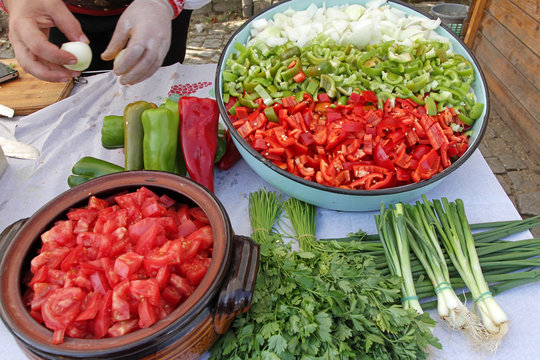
x=27 y=94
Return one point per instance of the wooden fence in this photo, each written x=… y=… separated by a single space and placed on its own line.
x=505 y=38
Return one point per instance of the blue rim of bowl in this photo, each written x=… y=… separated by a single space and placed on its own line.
x=349 y=192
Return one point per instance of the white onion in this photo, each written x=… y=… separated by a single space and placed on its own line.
x=347 y=24
x=117 y=58
x=82 y=52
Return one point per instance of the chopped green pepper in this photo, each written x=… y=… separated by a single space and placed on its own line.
x=270 y=114
x=292 y=71
x=267 y=99
x=476 y=111
x=431 y=106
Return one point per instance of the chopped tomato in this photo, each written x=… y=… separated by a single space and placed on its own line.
x=194 y=271
x=120 y=328
x=204 y=235
x=117 y=266
x=145 y=290
x=127 y=264
x=60 y=309
x=147 y=314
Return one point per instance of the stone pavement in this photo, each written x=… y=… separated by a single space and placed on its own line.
x=516 y=168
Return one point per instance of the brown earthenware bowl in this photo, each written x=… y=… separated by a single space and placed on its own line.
x=188 y=332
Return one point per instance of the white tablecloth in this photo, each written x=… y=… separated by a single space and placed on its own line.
x=70 y=129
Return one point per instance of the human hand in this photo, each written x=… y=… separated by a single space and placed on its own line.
x=29 y=24
x=145 y=26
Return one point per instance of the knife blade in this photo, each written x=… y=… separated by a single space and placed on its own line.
x=17 y=149
x=6 y=111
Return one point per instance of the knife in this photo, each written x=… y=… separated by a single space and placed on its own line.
x=17 y=149
x=6 y=111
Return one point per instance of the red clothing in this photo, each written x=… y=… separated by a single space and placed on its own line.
x=107 y=7
x=97 y=7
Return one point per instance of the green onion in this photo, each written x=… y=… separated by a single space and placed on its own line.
x=425 y=245
x=394 y=237
x=458 y=241
x=263 y=217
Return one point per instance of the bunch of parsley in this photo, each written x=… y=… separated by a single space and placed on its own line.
x=325 y=301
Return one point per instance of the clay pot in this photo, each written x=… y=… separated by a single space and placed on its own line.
x=188 y=332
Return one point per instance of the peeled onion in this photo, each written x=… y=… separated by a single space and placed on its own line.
x=82 y=52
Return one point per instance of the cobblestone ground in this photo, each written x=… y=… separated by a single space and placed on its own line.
x=517 y=170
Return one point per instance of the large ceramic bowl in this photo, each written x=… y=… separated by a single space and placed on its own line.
x=335 y=198
x=187 y=332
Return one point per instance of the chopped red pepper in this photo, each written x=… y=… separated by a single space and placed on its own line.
x=357 y=145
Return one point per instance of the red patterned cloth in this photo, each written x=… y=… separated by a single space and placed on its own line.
x=108 y=7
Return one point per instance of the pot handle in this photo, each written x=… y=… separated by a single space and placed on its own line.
x=6 y=237
x=237 y=291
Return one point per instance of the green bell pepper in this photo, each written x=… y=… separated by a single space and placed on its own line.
x=221 y=143
x=160 y=140
x=89 y=167
x=133 y=134
x=112 y=132
x=180 y=168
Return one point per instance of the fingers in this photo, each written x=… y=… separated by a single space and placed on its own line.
x=142 y=57
x=118 y=41
x=29 y=25
x=143 y=69
x=39 y=67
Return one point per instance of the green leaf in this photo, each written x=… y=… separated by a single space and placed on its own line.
x=269 y=329
x=325 y=326
x=277 y=344
x=268 y=355
x=345 y=286
x=230 y=343
x=306 y=255
x=343 y=332
x=294 y=324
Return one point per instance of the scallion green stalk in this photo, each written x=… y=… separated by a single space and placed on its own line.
x=458 y=241
x=394 y=237
x=425 y=245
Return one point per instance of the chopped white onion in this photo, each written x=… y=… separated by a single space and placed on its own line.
x=346 y=24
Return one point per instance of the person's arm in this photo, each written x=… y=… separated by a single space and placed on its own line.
x=29 y=24
x=144 y=29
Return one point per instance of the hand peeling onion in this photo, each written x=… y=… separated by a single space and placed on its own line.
x=82 y=52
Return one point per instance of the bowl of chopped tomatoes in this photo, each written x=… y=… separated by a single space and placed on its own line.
x=133 y=265
x=346 y=105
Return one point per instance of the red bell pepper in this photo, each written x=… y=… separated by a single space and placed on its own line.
x=232 y=155
x=199 y=136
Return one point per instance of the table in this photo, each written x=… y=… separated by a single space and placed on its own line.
x=70 y=129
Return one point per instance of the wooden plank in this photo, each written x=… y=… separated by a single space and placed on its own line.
x=515 y=82
x=517 y=115
x=474 y=19
x=27 y=94
x=531 y=7
x=519 y=55
x=518 y=22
